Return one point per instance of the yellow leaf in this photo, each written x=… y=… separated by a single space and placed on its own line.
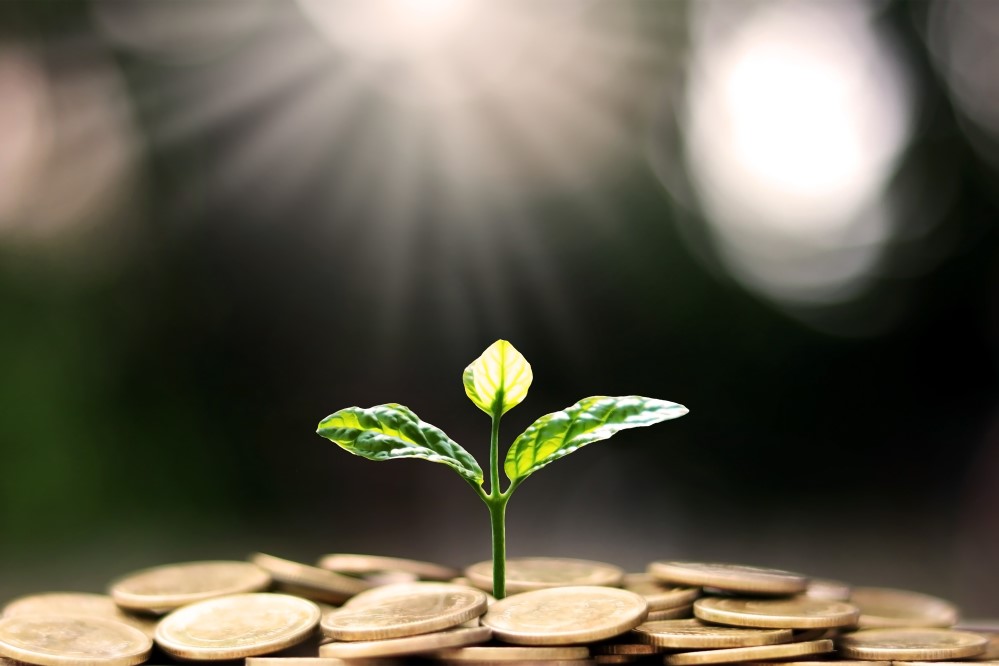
x=498 y=380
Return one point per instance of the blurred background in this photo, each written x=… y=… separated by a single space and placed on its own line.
x=222 y=220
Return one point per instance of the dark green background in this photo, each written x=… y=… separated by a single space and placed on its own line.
x=159 y=403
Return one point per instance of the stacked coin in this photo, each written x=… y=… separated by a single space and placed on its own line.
x=753 y=614
x=275 y=612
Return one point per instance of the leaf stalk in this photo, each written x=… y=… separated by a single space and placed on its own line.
x=497 y=519
x=496 y=503
x=494 y=476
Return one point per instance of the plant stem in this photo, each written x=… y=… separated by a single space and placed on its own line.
x=497 y=517
x=494 y=489
x=496 y=502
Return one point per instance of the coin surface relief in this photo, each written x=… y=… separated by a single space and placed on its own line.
x=167 y=587
x=695 y=634
x=791 y=613
x=535 y=573
x=375 y=564
x=407 y=645
x=69 y=640
x=237 y=626
x=397 y=611
x=78 y=603
x=883 y=607
x=565 y=615
x=781 y=651
x=911 y=644
x=729 y=577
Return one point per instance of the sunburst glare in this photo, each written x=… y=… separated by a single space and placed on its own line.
x=404 y=113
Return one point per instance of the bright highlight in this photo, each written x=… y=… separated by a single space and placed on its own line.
x=795 y=117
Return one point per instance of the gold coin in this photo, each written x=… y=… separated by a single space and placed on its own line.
x=160 y=589
x=237 y=626
x=695 y=634
x=462 y=580
x=882 y=607
x=409 y=645
x=72 y=640
x=565 y=615
x=511 y=653
x=537 y=573
x=983 y=628
x=992 y=650
x=637 y=578
x=729 y=577
x=911 y=644
x=308 y=581
x=681 y=613
x=817 y=662
x=370 y=564
x=659 y=595
x=325 y=608
x=375 y=594
x=815 y=634
x=389 y=577
x=396 y=611
x=319 y=661
x=828 y=590
x=980 y=626
x=62 y=603
x=527 y=662
x=635 y=649
x=763 y=652
x=793 y=613
x=77 y=603
x=297 y=661
x=977 y=661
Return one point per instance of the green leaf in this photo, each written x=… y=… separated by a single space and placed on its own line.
x=498 y=380
x=385 y=432
x=560 y=433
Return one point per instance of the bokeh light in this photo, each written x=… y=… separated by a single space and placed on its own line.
x=24 y=125
x=964 y=41
x=795 y=116
x=68 y=168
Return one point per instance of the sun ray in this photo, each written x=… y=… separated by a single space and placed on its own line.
x=310 y=128
x=200 y=99
x=429 y=157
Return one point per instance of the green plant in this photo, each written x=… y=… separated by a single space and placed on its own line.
x=496 y=382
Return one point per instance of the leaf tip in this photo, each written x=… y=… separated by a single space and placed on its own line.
x=677 y=409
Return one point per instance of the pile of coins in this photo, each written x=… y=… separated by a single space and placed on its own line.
x=370 y=610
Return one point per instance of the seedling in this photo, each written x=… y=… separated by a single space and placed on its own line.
x=496 y=382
